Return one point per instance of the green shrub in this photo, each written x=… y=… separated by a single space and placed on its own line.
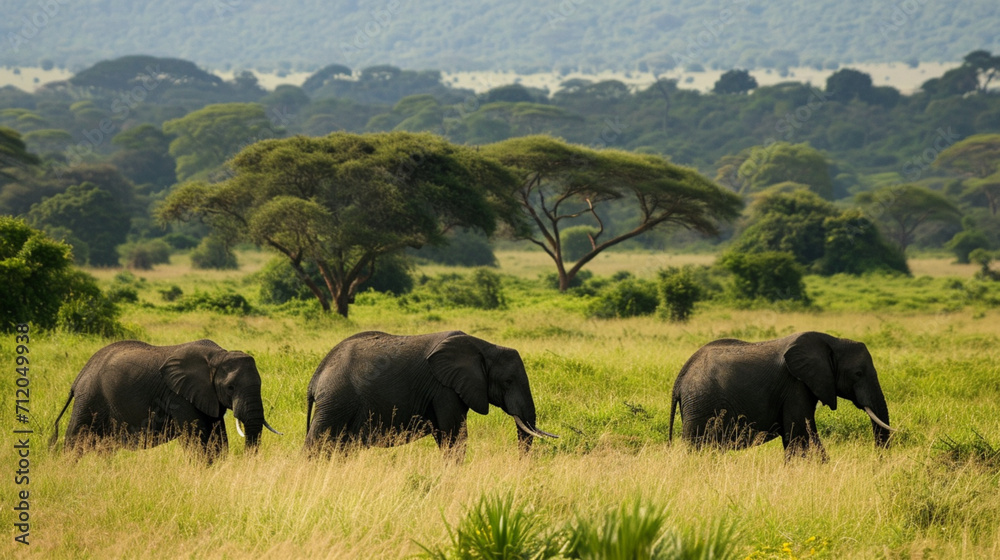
x=679 y=291
x=771 y=276
x=965 y=242
x=142 y=255
x=392 y=276
x=855 y=246
x=482 y=289
x=87 y=310
x=172 y=293
x=213 y=253
x=222 y=301
x=630 y=297
x=631 y=531
x=576 y=242
x=39 y=285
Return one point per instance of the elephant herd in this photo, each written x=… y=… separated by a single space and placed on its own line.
x=375 y=388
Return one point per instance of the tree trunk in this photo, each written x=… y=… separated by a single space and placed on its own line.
x=343 y=299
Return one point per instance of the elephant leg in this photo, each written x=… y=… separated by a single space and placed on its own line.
x=451 y=442
x=798 y=433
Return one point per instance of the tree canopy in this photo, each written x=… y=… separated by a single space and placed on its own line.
x=560 y=183
x=206 y=138
x=902 y=210
x=344 y=201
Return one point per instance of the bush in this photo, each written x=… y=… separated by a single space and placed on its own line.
x=630 y=297
x=223 y=301
x=552 y=279
x=142 y=255
x=679 y=291
x=495 y=529
x=213 y=253
x=38 y=285
x=576 y=242
x=483 y=289
x=965 y=242
x=392 y=276
x=771 y=276
x=855 y=246
x=172 y=293
x=87 y=310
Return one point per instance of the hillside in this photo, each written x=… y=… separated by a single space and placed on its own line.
x=640 y=35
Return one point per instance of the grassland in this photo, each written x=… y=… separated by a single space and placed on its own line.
x=603 y=385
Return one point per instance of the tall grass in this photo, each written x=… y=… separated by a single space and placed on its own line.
x=603 y=385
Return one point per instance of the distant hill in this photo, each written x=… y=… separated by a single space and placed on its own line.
x=519 y=35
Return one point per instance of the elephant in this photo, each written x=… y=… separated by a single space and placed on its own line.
x=379 y=389
x=735 y=394
x=142 y=395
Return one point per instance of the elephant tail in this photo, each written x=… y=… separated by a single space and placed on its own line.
x=309 y=408
x=55 y=426
x=674 y=401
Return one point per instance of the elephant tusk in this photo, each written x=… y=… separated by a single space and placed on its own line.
x=879 y=422
x=533 y=431
x=268 y=426
x=239 y=428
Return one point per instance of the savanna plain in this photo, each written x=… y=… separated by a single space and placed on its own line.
x=603 y=385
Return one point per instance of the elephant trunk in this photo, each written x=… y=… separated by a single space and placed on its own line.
x=248 y=411
x=879 y=413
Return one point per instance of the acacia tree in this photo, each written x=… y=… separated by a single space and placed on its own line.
x=902 y=209
x=978 y=158
x=342 y=202
x=560 y=182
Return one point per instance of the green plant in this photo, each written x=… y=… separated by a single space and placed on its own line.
x=171 y=293
x=87 y=310
x=634 y=530
x=493 y=529
x=630 y=297
x=679 y=291
x=576 y=242
x=482 y=289
x=770 y=276
x=142 y=255
x=222 y=301
x=213 y=253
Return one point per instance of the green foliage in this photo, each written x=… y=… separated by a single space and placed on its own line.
x=214 y=253
x=143 y=255
x=854 y=245
x=221 y=301
x=789 y=222
x=632 y=531
x=770 y=276
x=629 y=297
x=391 y=276
x=983 y=258
x=967 y=241
x=576 y=242
x=482 y=289
x=38 y=285
x=181 y=241
x=91 y=215
x=781 y=162
x=346 y=200
x=87 y=310
x=494 y=529
x=735 y=81
x=680 y=290
x=172 y=293
x=902 y=210
x=206 y=138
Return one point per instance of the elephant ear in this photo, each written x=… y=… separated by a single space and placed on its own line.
x=189 y=374
x=458 y=363
x=810 y=359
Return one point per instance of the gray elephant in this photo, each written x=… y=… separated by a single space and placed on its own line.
x=381 y=389
x=142 y=395
x=736 y=394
